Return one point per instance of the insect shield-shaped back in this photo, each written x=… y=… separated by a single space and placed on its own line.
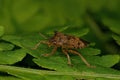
x=58 y=39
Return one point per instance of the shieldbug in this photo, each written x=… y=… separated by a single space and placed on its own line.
x=67 y=43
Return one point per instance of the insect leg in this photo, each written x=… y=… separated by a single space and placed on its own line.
x=53 y=52
x=68 y=57
x=83 y=59
x=36 y=46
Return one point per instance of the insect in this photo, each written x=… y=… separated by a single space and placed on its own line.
x=67 y=43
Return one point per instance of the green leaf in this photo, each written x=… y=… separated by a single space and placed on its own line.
x=55 y=63
x=60 y=29
x=105 y=79
x=9 y=78
x=106 y=61
x=58 y=77
x=117 y=38
x=1 y=30
x=112 y=24
x=81 y=32
x=90 y=51
x=6 y=46
x=76 y=31
x=13 y=39
x=109 y=60
x=11 y=57
x=58 y=62
x=30 y=74
x=64 y=28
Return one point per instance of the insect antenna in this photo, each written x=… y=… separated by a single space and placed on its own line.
x=36 y=46
x=43 y=35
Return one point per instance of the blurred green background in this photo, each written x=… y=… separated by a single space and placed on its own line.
x=102 y=17
x=24 y=16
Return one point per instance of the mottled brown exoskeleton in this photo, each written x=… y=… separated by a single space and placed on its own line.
x=67 y=43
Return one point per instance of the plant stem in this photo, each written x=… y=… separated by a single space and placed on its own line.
x=14 y=70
